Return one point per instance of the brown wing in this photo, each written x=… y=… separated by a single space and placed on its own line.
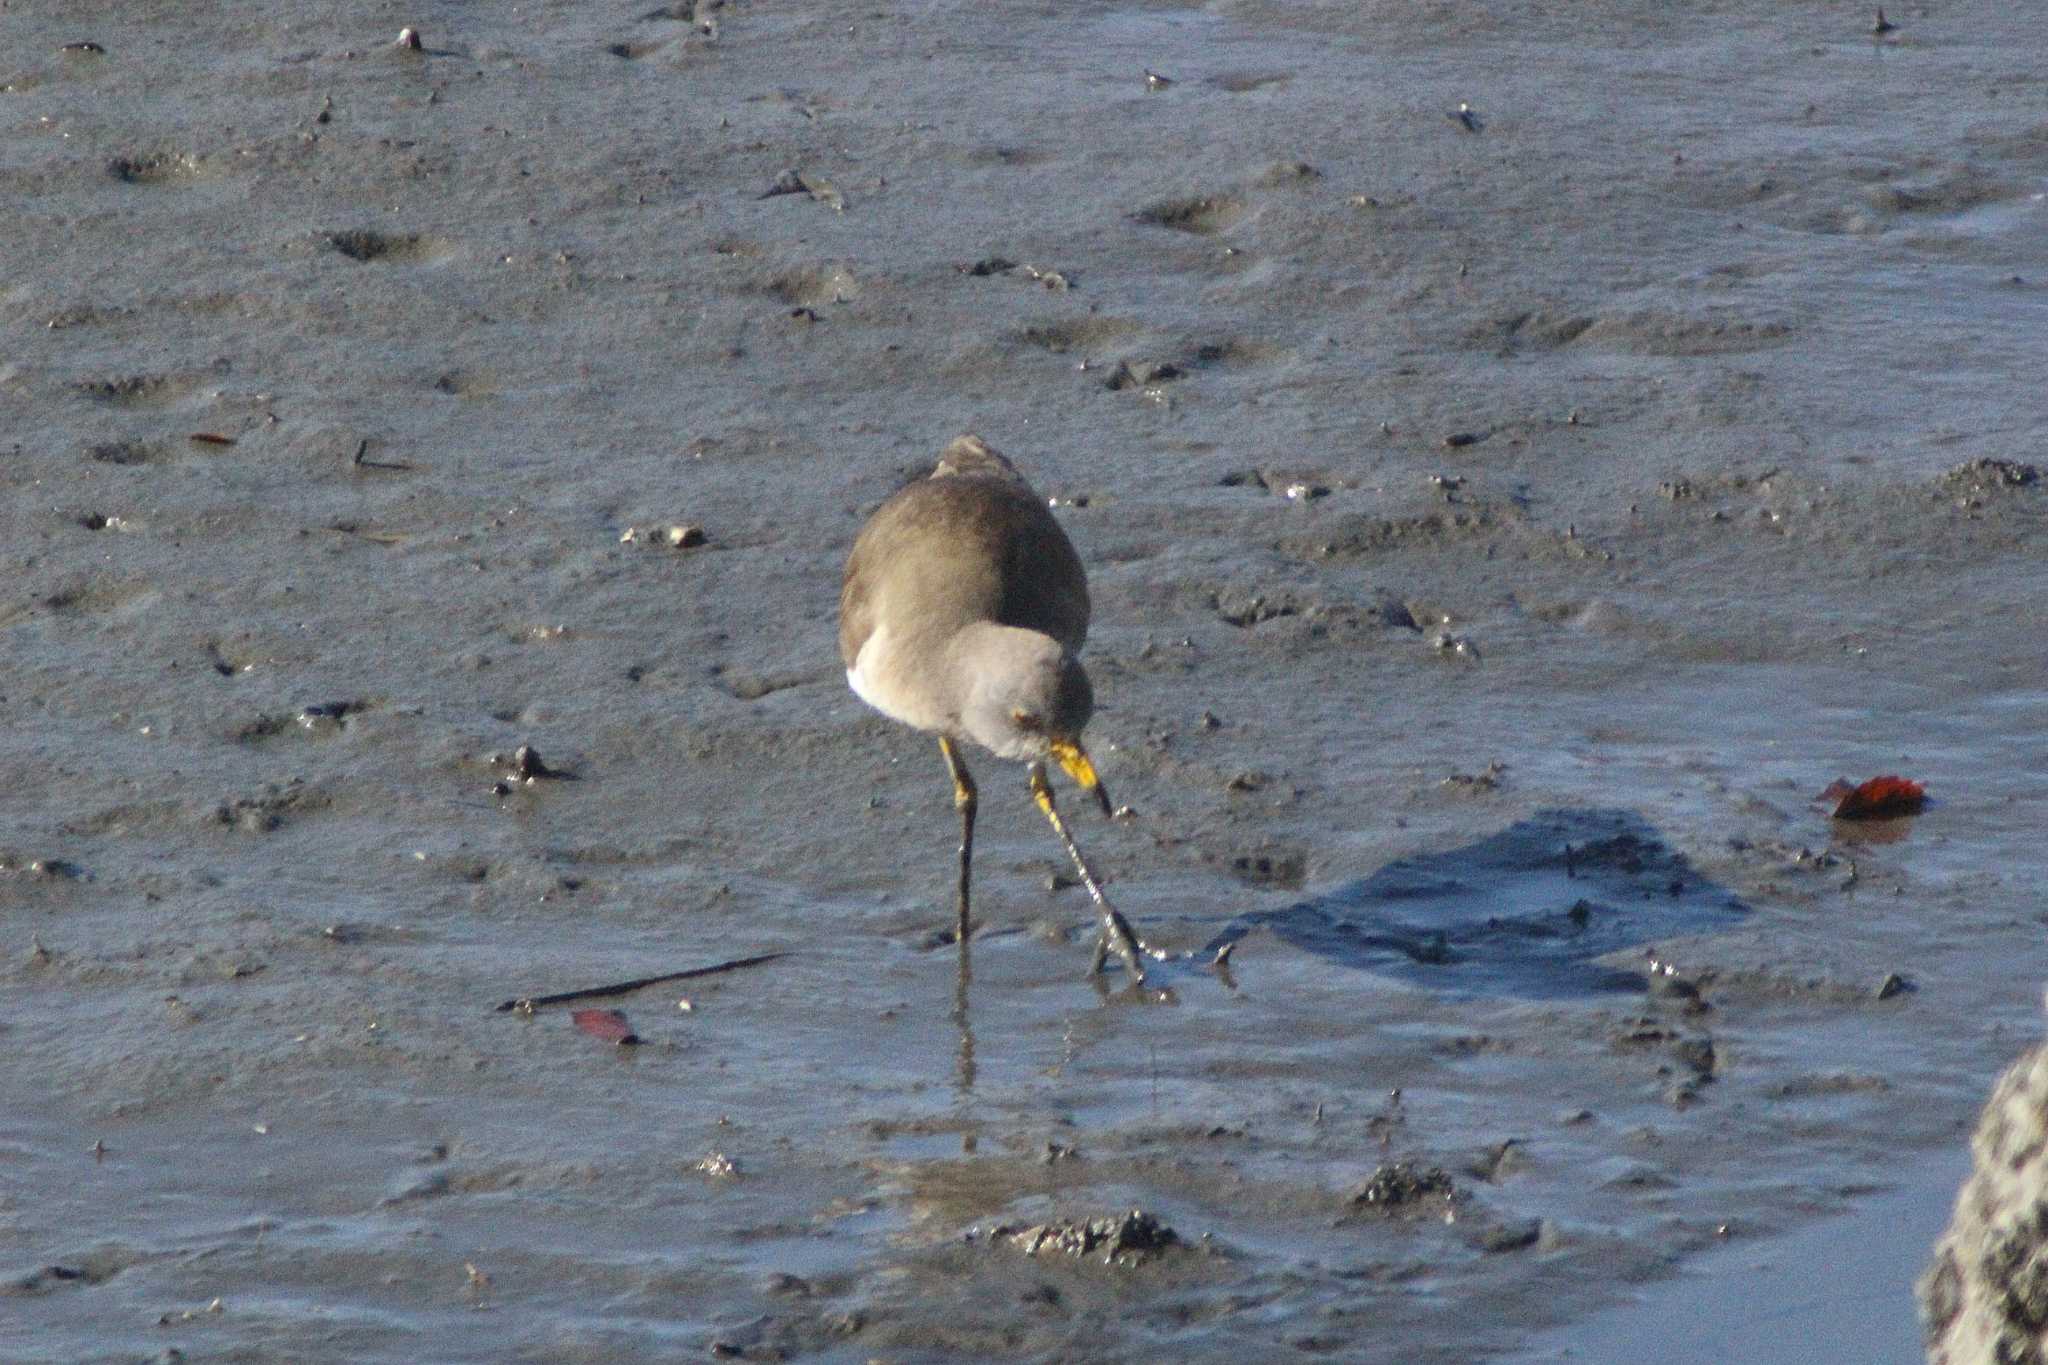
x=966 y=547
x=856 y=616
x=1046 y=587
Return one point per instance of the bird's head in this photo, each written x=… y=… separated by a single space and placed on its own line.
x=1029 y=699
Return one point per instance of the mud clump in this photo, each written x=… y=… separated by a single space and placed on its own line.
x=1400 y=1189
x=1243 y=608
x=1985 y=1297
x=155 y=168
x=1125 y=1239
x=1987 y=475
x=369 y=245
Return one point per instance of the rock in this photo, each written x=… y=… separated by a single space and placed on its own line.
x=1512 y=1236
x=1985 y=1297
x=782 y=1284
x=1122 y=1240
x=1988 y=475
x=1400 y=1190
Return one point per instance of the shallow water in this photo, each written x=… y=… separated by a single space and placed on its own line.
x=1526 y=912
x=1839 y=1293
x=1722 y=302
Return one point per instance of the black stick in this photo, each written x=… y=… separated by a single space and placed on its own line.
x=527 y=1004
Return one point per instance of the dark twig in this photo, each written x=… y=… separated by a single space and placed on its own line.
x=361 y=459
x=527 y=1004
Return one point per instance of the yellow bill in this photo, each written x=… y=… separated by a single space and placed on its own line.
x=1075 y=760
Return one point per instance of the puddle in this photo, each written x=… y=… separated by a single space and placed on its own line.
x=1525 y=912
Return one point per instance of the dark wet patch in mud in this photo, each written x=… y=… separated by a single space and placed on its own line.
x=404 y=248
x=1526 y=912
x=1202 y=215
x=1244 y=82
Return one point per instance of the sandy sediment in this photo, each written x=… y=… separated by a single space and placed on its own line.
x=1520 y=460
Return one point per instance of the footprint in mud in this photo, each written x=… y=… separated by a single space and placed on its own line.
x=1143 y=374
x=1652 y=332
x=1527 y=912
x=1063 y=335
x=1245 y=82
x=101 y=597
x=999 y=154
x=137 y=390
x=696 y=13
x=1657 y=333
x=1284 y=866
x=159 y=168
x=272 y=808
x=128 y=452
x=387 y=248
x=1235 y=352
x=1952 y=193
x=1282 y=174
x=813 y=286
x=1203 y=216
x=1957 y=190
x=1527 y=329
x=466 y=383
x=321 y=720
x=1094 y=334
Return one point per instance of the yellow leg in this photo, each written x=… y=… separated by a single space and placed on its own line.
x=1116 y=930
x=964 y=801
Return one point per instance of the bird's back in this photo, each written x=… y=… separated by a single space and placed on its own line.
x=971 y=543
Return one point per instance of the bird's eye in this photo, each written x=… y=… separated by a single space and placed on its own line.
x=1024 y=720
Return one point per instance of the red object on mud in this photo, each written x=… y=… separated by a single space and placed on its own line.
x=609 y=1025
x=1879 y=797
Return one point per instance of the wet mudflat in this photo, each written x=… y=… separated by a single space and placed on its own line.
x=1520 y=461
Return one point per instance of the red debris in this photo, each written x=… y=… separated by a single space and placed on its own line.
x=609 y=1025
x=1875 y=799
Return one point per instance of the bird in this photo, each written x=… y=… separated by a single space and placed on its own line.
x=962 y=614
